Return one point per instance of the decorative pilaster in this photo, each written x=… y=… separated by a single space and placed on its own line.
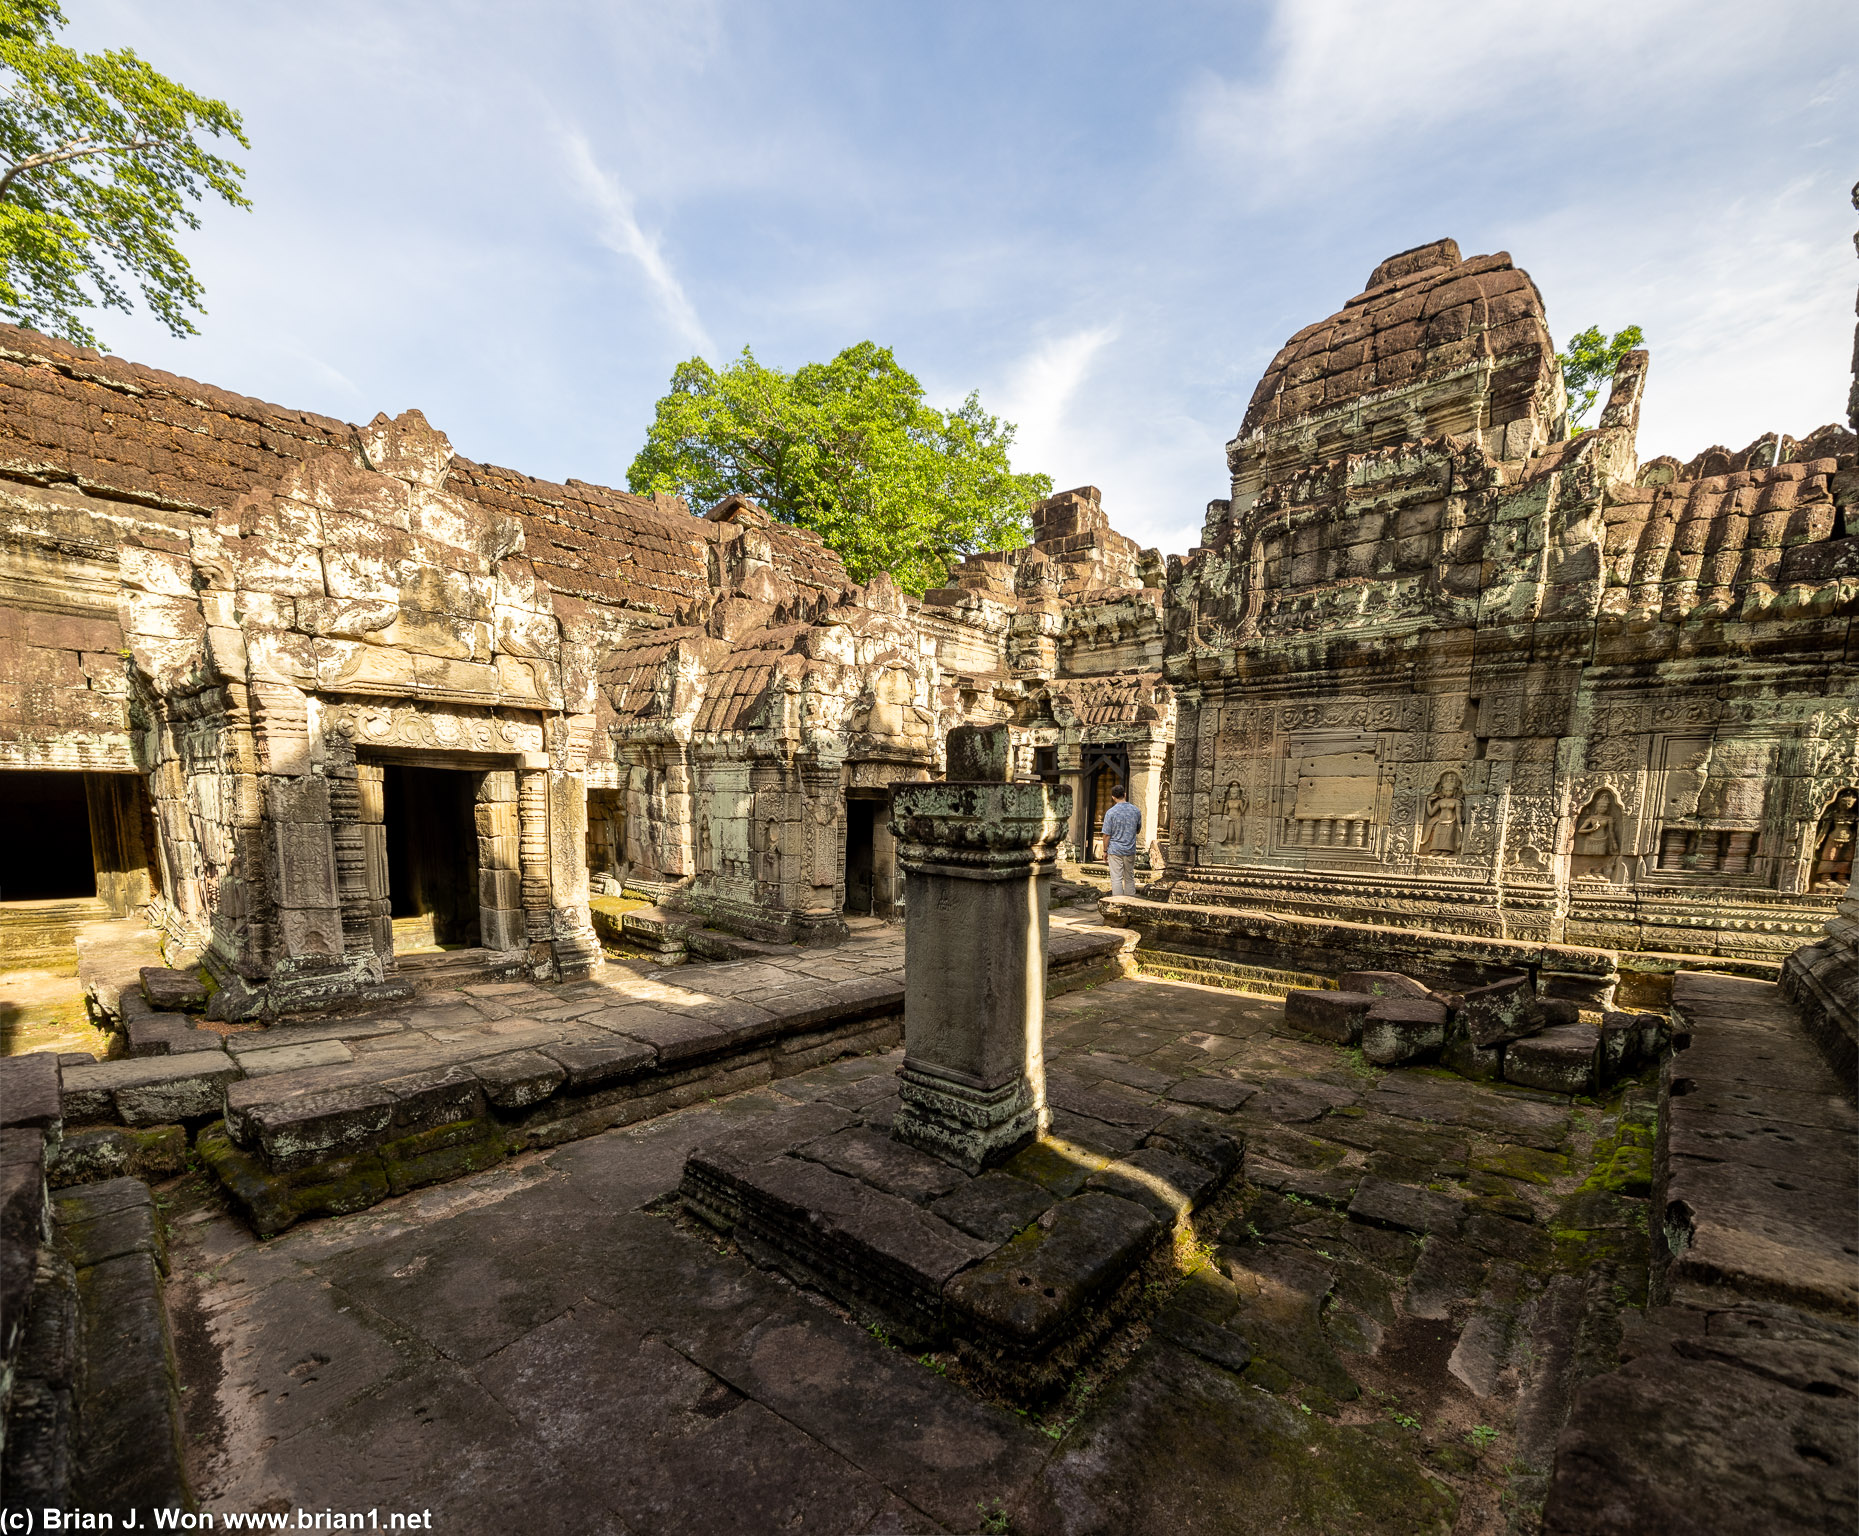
x=978 y=860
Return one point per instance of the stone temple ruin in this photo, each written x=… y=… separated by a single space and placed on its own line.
x=1460 y=741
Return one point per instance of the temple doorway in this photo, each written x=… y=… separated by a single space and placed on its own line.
x=46 y=854
x=861 y=869
x=1104 y=769
x=432 y=856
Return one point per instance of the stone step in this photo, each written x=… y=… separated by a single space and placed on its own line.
x=36 y=930
x=450 y=968
x=1263 y=981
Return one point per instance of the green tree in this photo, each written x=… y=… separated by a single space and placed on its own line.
x=1589 y=363
x=850 y=449
x=102 y=159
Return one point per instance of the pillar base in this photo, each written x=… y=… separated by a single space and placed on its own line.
x=968 y=1127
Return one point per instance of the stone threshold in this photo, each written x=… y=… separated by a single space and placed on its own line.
x=331 y=1116
x=1022 y=1270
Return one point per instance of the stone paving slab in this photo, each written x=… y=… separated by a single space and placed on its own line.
x=553 y=1299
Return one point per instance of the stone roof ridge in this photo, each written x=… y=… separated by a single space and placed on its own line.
x=20 y=344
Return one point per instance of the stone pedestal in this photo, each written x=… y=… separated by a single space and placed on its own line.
x=978 y=860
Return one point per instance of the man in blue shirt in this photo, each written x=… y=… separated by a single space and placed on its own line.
x=1123 y=824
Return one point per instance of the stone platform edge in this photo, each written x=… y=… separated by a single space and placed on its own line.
x=329 y=1142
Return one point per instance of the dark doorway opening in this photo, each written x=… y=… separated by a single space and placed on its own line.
x=861 y=870
x=45 y=854
x=1104 y=769
x=432 y=848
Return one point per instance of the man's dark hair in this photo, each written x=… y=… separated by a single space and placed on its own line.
x=1116 y=792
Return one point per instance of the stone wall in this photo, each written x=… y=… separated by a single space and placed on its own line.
x=1439 y=666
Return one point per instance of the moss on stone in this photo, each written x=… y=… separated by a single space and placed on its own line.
x=1525 y=1164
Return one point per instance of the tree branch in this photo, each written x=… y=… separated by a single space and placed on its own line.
x=77 y=149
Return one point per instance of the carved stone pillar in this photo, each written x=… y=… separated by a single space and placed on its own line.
x=978 y=862
x=1071 y=779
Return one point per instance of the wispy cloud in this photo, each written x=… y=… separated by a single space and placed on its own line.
x=621 y=233
x=1376 y=82
x=1038 y=397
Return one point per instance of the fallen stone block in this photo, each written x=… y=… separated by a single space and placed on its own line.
x=1328 y=1015
x=1621 y=1040
x=1498 y=1012
x=1383 y=984
x=173 y=991
x=1559 y=1060
x=1402 y=1029
x=1482 y=1064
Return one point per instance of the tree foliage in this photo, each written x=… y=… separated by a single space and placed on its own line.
x=1589 y=363
x=102 y=159
x=850 y=449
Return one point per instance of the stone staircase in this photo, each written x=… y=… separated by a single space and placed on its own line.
x=441 y=970
x=34 y=933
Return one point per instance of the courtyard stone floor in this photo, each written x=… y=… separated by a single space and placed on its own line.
x=551 y=1345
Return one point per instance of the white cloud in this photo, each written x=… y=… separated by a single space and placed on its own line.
x=1370 y=83
x=621 y=233
x=1038 y=397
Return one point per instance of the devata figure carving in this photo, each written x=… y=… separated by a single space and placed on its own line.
x=1833 y=842
x=1442 y=833
x=1232 y=815
x=1597 y=837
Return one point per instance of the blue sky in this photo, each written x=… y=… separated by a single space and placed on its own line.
x=1105 y=217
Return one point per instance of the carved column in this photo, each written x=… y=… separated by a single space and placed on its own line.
x=978 y=862
x=1071 y=779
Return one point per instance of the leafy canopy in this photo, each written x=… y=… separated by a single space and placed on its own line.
x=99 y=161
x=850 y=449
x=1589 y=363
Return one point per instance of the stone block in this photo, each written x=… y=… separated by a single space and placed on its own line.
x=30 y=1092
x=1622 y=1041
x=1383 y=984
x=502 y=929
x=1497 y=1012
x=1562 y=1059
x=884 y=1164
x=1399 y=1029
x=1482 y=1064
x=1170 y=1188
x=110 y=1151
x=1215 y=1148
x=1384 y=1203
x=299 y=1129
x=1027 y=1295
x=263 y=1061
x=436 y=1096
x=520 y=1079
x=994 y=1206
x=1328 y=1015
x=170 y=991
x=590 y=1064
x=150 y=1090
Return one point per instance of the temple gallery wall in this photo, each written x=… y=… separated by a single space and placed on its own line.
x=1437 y=665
